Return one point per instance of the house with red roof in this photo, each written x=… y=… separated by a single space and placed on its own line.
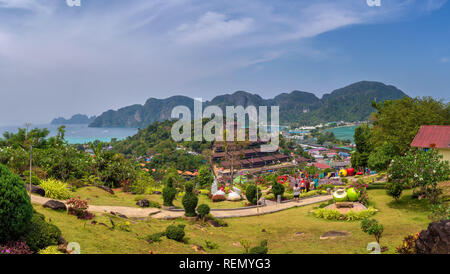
x=434 y=137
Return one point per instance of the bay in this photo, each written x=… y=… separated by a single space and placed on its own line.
x=80 y=133
x=343 y=133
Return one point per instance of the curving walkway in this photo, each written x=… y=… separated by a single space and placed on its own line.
x=167 y=215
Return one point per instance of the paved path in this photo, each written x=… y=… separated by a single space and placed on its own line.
x=166 y=214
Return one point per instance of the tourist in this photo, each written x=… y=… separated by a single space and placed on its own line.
x=308 y=183
x=302 y=186
x=296 y=192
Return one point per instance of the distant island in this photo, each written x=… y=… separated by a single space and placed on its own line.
x=75 y=119
x=297 y=108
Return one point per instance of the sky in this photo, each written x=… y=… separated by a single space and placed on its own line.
x=57 y=60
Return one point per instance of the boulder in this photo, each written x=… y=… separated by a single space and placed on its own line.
x=344 y=204
x=334 y=234
x=143 y=203
x=107 y=189
x=55 y=205
x=157 y=192
x=233 y=196
x=36 y=190
x=434 y=240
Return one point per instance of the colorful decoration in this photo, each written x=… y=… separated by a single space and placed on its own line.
x=353 y=194
x=340 y=195
x=343 y=173
x=350 y=171
x=282 y=179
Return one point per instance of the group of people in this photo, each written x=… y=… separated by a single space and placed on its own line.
x=303 y=184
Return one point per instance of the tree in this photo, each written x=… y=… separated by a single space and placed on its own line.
x=15 y=206
x=372 y=227
x=169 y=192
x=420 y=168
x=363 y=146
x=397 y=122
x=189 y=201
x=205 y=177
x=381 y=157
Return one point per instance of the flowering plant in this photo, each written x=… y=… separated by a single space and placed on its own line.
x=78 y=207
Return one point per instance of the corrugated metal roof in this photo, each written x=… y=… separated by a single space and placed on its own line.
x=429 y=136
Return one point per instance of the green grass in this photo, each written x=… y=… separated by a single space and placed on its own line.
x=399 y=219
x=98 y=196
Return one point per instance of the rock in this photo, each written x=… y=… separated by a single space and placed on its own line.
x=334 y=234
x=344 y=204
x=298 y=234
x=434 y=240
x=36 y=190
x=62 y=241
x=233 y=196
x=122 y=216
x=107 y=189
x=213 y=223
x=143 y=203
x=157 y=192
x=263 y=230
x=55 y=205
x=198 y=248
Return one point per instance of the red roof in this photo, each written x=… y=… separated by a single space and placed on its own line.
x=321 y=166
x=429 y=136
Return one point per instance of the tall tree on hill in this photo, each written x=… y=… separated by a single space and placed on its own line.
x=363 y=146
x=397 y=122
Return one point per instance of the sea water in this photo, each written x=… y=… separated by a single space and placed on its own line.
x=343 y=133
x=80 y=134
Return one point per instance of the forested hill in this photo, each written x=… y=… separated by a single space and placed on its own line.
x=351 y=103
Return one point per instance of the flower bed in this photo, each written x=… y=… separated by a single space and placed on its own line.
x=336 y=215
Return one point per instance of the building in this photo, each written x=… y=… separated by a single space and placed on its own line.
x=434 y=136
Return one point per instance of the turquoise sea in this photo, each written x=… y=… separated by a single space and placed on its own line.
x=81 y=134
x=343 y=133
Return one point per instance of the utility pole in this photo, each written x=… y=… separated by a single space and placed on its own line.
x=27 y=125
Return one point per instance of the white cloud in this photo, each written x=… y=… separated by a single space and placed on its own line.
x=445 y=60
x=111 y=53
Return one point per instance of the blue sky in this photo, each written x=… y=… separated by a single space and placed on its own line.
x=57 y=60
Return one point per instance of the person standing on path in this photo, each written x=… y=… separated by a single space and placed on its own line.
x=296 y=192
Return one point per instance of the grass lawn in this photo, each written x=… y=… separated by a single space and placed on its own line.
x=399 y=219
x=98 y=196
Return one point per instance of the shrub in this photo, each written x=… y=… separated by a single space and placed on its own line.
x=245 y=244
x=34 y=179
x=190 y=201
x=41 y=234
x=169 y=192
x=394 y=189
x=79 y=208
x=175 y=232
x=372 y=227
x=141 y=185
x=53 y=249
x=211 y=245
x=333 y=214
x=439 y=212
x=203 y=210
x=205 y=177
x=15 y=248
x=156 y=237
x=250 y=193
x=409 y=244
x=277 y=189
x=15 y=206
x=55 y=189
x=261 y=249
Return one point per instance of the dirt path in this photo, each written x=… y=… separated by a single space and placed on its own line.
x=166 y=214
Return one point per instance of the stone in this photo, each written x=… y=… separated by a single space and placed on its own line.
x=298 y=234
x=55 y=205
x=334 y=234
x=233 y=196
x=344 y=204
x=263 y=230
x=157 y=192
x=107 y=189
x=213 y=223
x=434 y=240
x=36 y=190
x=122 y=216
x=143 y=203
x=198 y=248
